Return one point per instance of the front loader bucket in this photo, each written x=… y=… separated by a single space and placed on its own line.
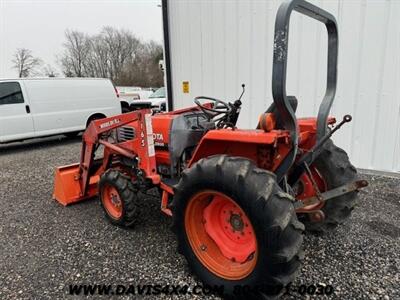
x=67 y=189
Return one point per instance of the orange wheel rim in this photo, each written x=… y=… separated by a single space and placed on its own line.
x=308 y=190
x=112 y=201
x=221 y=235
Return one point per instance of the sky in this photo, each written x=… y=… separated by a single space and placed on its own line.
x=39 y=25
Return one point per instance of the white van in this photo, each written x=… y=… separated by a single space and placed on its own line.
x=39 y=107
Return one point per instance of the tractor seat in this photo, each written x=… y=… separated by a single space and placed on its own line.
x=278 y=120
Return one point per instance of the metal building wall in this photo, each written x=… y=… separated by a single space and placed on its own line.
x=217 y=45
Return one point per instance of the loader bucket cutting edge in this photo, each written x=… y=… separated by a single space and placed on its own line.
x=67 y=189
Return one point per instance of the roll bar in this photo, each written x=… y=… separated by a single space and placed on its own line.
x=281 y=40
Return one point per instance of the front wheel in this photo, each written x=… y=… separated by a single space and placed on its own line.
x=236 y=228
x=118 y=198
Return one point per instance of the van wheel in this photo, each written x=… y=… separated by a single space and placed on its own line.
x=72 y=134
x=94 y=117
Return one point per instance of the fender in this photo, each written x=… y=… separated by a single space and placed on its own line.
x=257 y=145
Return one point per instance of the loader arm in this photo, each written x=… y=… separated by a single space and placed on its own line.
x=73 y=183
x=91 y=138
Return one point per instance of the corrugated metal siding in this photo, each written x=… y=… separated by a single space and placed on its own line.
x=217 y=45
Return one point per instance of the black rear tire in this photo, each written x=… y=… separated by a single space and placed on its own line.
x=270 y=210
x=336 y=169
x=127 y=193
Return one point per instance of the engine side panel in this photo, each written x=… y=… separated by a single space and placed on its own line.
x=162 y=125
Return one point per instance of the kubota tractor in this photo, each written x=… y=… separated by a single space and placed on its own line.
x=240 y=199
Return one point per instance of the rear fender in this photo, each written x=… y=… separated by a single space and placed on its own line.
x=266 y=149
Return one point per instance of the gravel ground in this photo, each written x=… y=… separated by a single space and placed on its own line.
x=45 y=247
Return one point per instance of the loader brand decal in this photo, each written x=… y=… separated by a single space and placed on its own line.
x=158 y=139
x=149 y=130
x=109 y=123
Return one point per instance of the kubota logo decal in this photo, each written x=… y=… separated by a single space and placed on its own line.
x=158 y=137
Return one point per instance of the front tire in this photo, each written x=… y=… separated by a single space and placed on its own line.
x=118 y=198
x=251 y=197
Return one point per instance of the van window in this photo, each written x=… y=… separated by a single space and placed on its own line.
x=10 y=93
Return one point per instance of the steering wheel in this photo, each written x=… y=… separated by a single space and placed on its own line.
x=219 y=107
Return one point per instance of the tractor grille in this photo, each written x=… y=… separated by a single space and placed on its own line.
x=125 y=133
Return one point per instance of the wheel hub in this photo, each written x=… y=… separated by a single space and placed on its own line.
x=229 y=228
x=112 y=201
x=220 y=235
x=115 y=199
x=236 y=222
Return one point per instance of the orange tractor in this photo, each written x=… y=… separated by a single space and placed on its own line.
x=240 y=199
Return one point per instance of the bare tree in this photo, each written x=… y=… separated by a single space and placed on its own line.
x=25 y=63
x=155 y=76
x=76 y=54
x=145 y=70
x=122 y=47
x=49 y=71
x=98 y=64
x=115 y=54
x=111 y=51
